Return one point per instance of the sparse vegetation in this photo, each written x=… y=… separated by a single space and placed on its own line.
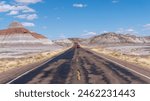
x=6 y=64
x=143 y=61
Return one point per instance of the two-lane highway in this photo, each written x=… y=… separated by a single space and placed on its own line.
x=80 y=66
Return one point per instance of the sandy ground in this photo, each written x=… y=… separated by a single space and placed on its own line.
x=22 y=51
x=7 y=63
x=141 y=50
x=144 y=61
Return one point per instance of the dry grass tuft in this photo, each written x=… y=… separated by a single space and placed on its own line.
x=143 y=61
x=6 y=64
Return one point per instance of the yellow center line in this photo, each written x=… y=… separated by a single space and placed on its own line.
x=78 y=75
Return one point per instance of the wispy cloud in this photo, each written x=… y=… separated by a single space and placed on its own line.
x=130 y=30
x=28 y=1
x=17 y=10
x=28 y=24
x=104 y=31
x=7 y=7
x=126 y=31
x=27 y=16
x=88 y=34
x=115 y=1
x=79 y=5
x=13 y=13
x=146 y=27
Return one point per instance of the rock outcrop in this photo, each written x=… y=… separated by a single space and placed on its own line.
x=114 y=38
x=17 y=34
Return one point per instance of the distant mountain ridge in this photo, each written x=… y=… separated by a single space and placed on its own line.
x=62 y=42
x=17 y=34
x=110 y=38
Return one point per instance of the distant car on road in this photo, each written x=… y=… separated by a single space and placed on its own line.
x=78 y=46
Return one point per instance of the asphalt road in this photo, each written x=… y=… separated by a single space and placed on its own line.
x=80 y=66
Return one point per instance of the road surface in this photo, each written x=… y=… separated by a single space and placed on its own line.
x=80 y=66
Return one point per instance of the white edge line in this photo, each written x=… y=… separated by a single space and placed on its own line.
x=34 y=68
x=123 y=66
x=28 y=71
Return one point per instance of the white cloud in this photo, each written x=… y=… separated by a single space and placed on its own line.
x=115 y=1
x=6 y=7
x=20 y=9
x=126 y=31
x=28 y=24
x=13 y=13
x=130 y=30
x=2 y=2
x=28 y=1
x=88 y=34
x=23 y=8
x=79 y=5
x=104 y=31
x=147 y=26
x=27 y=16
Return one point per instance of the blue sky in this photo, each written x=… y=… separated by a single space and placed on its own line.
x=78 y=18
